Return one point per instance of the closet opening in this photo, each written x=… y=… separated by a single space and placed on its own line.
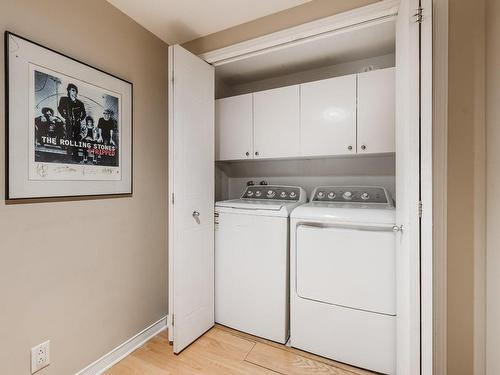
x=326 y=106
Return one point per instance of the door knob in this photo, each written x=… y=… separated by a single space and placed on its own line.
x=397 y=228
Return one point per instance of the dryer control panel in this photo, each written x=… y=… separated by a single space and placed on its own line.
x=272 y=192
x=356 y=194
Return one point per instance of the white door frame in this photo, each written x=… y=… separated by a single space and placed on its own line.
x=170 y=184
x=344 y=22
x=426 y=189
x=440 y=161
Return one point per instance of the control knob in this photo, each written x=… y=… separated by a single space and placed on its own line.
x=258 y=193
x=249 y=193
x=365 y=196
x=331 y=195
x=293 y=194
x=283 y=194
x=270 y=193
x=321 y=194
x=347 y=195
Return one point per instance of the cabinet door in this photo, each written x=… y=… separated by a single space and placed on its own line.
x=376 y=111
x=276 y=122
x=233 y=128
x=328 y=116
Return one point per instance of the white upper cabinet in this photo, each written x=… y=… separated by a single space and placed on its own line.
x=352 y=114
x=328 y=116
x=376 y=111
x=234 y=128
x=276 y=123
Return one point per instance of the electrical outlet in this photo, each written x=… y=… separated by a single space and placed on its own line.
x=40 y=356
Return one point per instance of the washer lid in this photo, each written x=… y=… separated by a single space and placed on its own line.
x=254 y=204
x=256 y=207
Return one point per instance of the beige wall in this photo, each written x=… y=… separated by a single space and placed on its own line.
x=465 y=165
x=493 y=184
x=87 y=295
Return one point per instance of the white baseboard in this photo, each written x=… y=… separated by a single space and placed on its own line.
x=121 y=351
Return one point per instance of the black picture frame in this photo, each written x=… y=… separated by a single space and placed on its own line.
x=9 y=197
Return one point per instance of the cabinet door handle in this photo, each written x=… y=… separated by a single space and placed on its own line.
x=247 y=153
x=349 y=148
x=363 y=147
x=256 y=153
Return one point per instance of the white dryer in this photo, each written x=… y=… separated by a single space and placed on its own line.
x=252 y=260
x=343 y=277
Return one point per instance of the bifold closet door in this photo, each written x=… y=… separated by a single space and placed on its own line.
x=408 y=188
x=191 y=196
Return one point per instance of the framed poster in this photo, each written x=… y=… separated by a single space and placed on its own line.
x=68 y=125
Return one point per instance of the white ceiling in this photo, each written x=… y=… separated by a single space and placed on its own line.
x=178 y=21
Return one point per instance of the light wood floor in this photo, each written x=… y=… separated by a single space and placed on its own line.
x=223 y=351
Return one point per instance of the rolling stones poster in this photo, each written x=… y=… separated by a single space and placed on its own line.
x=75 y=129
x=69 y=125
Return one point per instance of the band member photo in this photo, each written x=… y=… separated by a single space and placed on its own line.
x=90 y=132
x=73 y=112
x=107 y=126
x=48 y=126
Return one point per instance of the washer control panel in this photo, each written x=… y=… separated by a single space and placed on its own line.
x=271 y=192
x=357 y=194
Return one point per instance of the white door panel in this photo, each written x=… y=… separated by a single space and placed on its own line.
x=251 y=283
x=376 y=111
x=328 y=116
x=276 y=122
x=191 y=187
x=362 y=339
x=347 y=267
x=234 y=127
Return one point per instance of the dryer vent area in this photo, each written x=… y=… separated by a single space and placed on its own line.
x=231 y=178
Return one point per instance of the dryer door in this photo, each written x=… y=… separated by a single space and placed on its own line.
x=351 y=266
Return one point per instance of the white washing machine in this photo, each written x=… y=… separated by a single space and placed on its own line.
x=252 y=260
x=343 y=277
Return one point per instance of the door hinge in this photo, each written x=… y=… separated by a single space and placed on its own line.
x=172 y=322
x=419 y=15
x=172 y=198
x=419 y=208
